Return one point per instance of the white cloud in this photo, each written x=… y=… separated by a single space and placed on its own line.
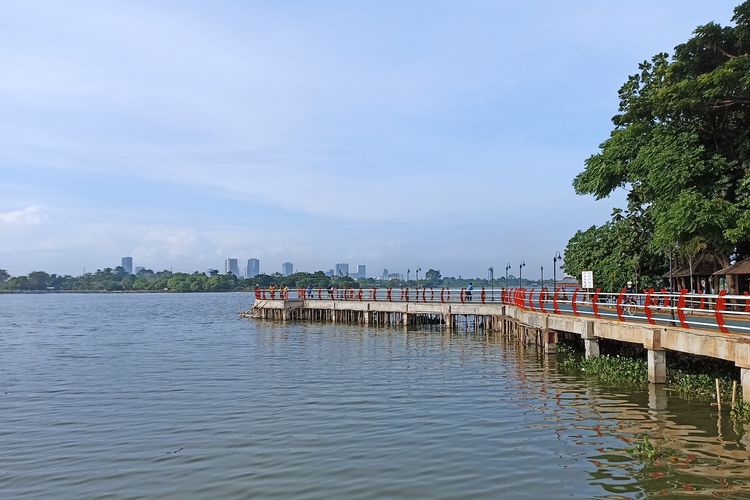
x=32 y=215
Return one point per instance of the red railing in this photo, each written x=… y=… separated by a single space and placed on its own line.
x=722 y=312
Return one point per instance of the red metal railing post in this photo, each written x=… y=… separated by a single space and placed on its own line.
x=647 y=306
x=483 y=295
x=463 y=295
x=595 y=303
x=618 y=306
x=573 y=302
x=721 y=305
x=389 y=294
x=542 y=297
x=531 y=299
x=554 y=301
x=681 y=309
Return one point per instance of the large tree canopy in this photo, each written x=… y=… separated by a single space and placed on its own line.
x=681 y=144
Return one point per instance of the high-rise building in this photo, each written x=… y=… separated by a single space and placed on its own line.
x=253 y=268
x=329 y=273
x=342 y=269
x=138 y=269
x=127 y=264
x=361 y=272
x=232 y=266
x=287 y=268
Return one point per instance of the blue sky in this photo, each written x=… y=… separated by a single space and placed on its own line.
x=392 y=134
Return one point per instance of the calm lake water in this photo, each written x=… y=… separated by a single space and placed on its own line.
x=161 y=395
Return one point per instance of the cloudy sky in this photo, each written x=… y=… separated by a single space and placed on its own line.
x=394 y=134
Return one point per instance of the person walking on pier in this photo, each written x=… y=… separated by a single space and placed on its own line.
x=469 y=289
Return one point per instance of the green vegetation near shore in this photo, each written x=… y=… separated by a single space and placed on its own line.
x=691 y=377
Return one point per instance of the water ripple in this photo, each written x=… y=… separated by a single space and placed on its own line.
x=132 y=395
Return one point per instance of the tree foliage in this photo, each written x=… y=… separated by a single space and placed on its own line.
x=681 y=145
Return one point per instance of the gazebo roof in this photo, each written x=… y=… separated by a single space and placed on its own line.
x=706 y=265
x=741 y=267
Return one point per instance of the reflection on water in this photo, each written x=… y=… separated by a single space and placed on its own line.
x=172 y=395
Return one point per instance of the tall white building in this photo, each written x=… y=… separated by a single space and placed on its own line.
x=287 y=268
x=253 y=268
x=342 y=269
x=361 y=271
x=127 y=264
x=232 y=266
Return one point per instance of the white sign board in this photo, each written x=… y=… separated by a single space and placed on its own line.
x=587 y=279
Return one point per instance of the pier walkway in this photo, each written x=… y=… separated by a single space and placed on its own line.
x=716 y=326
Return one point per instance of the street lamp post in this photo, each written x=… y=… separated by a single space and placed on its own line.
x=417 y=278
x=491 y=270
x=554 y=269
x=507 y=267
x=408 y=271
x=520 y=271
x=542 y=277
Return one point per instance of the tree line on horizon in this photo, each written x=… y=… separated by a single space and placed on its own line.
x=680 y=147
x=117 y=279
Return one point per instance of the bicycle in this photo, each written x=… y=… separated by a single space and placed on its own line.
x=631 y=306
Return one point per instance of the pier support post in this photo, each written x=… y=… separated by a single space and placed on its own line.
x=745 y=380
x=550 y=341
x=657 y=366
x=405 y=318
x=657 y=357
x=448 y=320
x=742 y=360
x=592 y=347
x=590 y=341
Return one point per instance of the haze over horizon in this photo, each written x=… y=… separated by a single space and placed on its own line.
x=437 y=135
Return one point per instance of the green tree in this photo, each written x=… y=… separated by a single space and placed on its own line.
x=433 y=277
x=681 y=145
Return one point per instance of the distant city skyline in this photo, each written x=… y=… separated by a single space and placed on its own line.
x=252 y=269
x=446 y=136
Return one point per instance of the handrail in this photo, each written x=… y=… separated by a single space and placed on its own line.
x=720 y=312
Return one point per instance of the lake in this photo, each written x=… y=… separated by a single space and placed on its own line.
x=172 y=395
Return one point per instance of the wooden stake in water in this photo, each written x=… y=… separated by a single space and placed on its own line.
x=718 y=395
x=734 y=393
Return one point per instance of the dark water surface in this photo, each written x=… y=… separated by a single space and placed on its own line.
x=161 y=395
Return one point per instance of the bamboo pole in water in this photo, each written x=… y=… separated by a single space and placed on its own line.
x=718 y=395
x=734 y=393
